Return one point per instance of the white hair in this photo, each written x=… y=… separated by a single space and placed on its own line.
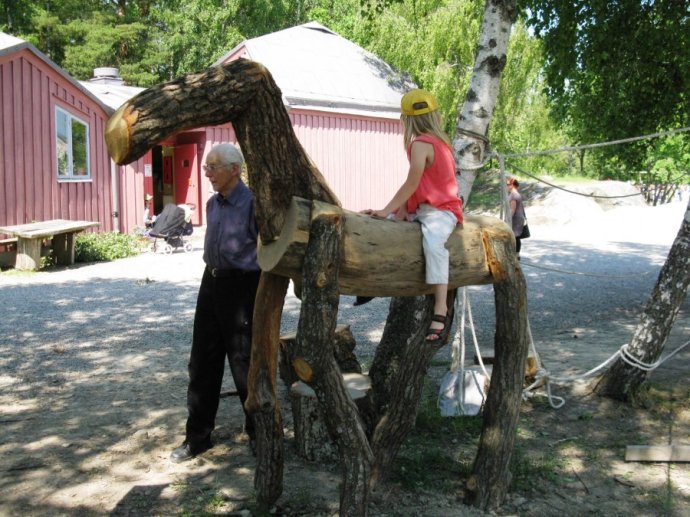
x=227 y=154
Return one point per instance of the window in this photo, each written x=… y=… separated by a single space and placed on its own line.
x=72 y=147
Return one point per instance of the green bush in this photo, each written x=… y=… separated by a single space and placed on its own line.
x=100 y=247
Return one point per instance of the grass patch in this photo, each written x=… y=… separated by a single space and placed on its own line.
x=529 y=470
x=439 y=451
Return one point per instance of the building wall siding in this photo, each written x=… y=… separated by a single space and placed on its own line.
x=30 y=90
x=362 y=158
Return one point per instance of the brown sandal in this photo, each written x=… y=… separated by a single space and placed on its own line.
x=435 y=334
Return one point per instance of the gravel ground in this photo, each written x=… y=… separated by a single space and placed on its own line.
x=117 y=332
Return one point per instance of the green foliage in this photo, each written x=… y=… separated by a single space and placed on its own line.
x=433 y=42
x=615 y=69
x=98 y=247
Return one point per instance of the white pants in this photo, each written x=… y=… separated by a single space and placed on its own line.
x=437 y=225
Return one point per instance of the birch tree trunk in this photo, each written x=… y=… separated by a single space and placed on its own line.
x=474 y=116
x=622 y=381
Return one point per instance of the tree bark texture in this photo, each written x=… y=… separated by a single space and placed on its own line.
x=622 y=381
x=262 y=397
x=397 y=377
x=312 y=440
x=385 y=258
x=490 y=477
x=242 y=92
x=470 y=142
x=343 y=350
x=314 y=359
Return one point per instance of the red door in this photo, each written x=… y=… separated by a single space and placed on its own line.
x=187 y=179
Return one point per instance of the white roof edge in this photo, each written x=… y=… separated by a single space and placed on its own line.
x=222 y=58
x=389 y=115
x=330 y=105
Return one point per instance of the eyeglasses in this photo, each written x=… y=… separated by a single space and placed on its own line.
x=212 y=168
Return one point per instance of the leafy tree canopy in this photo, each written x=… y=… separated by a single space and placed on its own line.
x=616 y=69
x=156 y=40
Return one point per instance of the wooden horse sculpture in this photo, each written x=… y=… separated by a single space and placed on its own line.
x=305 y=236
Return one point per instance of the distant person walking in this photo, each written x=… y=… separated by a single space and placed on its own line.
x=517 y=212
x=224 y=307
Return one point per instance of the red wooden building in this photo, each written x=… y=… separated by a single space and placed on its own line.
x=53 y=159
x=343 y=102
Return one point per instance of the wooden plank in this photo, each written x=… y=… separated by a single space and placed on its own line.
x=45 y=229
x=28 y=254
x=63 y=248
x=663 y=453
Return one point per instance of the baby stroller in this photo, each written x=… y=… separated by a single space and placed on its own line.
x=172 y=225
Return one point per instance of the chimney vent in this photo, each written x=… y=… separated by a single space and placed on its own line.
x=107 y=75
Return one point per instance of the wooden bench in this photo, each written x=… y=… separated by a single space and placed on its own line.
x=8 y=252
x=30 y=236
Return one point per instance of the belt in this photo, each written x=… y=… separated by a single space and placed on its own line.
x=225 y=273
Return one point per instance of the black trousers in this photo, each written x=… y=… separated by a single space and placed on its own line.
x=222 y=329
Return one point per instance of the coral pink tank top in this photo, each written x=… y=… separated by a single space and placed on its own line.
x=438 y=186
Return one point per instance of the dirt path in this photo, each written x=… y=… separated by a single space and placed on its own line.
x=93 y=379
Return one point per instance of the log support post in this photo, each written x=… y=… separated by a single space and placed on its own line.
x=312 y=440
x=262 y=398
x=314 y=359
x=490 y=479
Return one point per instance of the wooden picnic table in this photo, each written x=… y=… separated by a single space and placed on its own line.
x=31 y=235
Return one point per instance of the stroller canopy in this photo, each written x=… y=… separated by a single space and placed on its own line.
x=170 y=220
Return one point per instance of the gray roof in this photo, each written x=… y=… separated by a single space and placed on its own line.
x=318 y=69
x=10 y=44
x=7 y=41
x=114 y=95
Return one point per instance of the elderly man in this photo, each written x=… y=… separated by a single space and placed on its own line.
x=223 y=318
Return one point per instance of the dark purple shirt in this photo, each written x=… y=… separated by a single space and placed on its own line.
x=231 y=231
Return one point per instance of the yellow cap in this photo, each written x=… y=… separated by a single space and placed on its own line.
x=418 y=102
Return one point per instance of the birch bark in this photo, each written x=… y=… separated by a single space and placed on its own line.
x=470 y=143
x=622 y=381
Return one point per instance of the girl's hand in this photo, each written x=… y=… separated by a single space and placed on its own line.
x=381 y=214
x=401 y=214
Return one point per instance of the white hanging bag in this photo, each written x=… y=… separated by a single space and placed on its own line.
x=462 y=390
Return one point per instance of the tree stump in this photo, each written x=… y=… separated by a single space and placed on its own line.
x=312 y=441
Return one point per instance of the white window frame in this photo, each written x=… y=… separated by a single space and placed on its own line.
x=68 y=147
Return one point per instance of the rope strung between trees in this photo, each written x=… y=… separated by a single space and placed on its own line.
x=583 y=194
x=600 y=144
x=544 y=378
x=596 y=275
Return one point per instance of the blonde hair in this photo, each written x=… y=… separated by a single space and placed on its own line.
x=426 y=124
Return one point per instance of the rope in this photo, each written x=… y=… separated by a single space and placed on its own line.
x=473 y=134
x=596 y=275
x=583 y=194
x=544 y=378
x=600 y=144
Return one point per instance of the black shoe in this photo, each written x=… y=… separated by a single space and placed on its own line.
x=186 y=452
x=361 y=300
